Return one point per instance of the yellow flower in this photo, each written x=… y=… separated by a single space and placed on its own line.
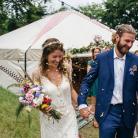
x=44 y=106
x=36 y=82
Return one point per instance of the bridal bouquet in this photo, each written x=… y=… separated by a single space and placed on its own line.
x=31 y=95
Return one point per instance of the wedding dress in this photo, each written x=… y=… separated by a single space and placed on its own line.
x=66 y=127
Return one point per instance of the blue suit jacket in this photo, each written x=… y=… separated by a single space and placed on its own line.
x=104 y=70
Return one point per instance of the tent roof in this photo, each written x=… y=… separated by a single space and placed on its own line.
x=72 y=28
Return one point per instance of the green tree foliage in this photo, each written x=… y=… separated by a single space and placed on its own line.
x=3 y=18
x=85 y=49
x=114 y=12
x=94 y=11
x=118 y=12
x=17 y=13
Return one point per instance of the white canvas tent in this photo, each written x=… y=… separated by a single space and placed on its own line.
x=70 y=27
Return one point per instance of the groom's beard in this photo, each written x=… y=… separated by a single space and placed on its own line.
x=123 y=49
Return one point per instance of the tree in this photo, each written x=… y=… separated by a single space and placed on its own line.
x=3 y=18
x=114 y=12
x=94 y=11
x=17 y=13
x=119 y=12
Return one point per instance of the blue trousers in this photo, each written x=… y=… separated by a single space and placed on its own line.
x=113 y=126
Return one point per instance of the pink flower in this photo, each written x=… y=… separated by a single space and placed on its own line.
x=29 y=97
x=34 y=105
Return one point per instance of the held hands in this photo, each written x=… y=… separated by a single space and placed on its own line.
x=85 y=112
x=92 y=107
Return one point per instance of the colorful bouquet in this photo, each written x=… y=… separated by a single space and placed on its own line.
x=32 y=95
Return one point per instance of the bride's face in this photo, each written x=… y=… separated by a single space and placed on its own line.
x=55 y=58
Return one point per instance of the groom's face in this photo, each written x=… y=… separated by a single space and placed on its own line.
x=125 y=42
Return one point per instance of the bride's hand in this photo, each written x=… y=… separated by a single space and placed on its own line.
x=46 y=110
x=85 y=112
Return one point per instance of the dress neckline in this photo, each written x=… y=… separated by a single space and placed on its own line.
x=53 y=82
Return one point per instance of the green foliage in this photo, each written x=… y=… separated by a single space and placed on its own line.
x=19 y=110
x=9 y=126
x=114 y=12
x=29 y=119
x=86 y=49
x=94 y=11
x=121 y=12
x=13 y=85
x=14 y=14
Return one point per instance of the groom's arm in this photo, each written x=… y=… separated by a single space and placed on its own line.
x=137 y=74
x=86 y=84
x=137 y=81
x=84 y=110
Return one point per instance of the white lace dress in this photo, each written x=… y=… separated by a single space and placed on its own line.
x=61 y=95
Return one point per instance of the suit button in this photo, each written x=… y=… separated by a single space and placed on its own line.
x=123 y=110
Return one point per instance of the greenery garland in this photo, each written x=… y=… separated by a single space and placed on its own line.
x=102 y=44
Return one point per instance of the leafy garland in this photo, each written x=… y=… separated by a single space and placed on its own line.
x=102 y=44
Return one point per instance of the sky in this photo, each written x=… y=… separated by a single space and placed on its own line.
x=55 y=4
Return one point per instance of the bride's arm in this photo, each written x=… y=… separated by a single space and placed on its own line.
x=74 y=97
x=36 y=75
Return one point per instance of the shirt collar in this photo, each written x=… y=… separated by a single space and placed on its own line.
x=116 y=57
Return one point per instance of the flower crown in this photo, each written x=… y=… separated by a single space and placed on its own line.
x=51 y=43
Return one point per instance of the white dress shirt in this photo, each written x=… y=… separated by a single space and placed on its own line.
x=119 y=64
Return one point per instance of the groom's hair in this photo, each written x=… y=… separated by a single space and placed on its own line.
x=123 y=28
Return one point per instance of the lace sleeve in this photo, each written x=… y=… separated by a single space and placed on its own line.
x=36 y=76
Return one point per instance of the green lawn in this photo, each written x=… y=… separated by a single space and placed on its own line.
x=10 y=128
x=89 y=131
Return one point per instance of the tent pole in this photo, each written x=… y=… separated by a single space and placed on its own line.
x=73 y=8
x=25 y=60
x=25 y=63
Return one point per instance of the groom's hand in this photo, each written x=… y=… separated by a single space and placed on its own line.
x=85 y=112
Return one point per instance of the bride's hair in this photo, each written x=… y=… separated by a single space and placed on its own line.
x=49 y=42
x=49 y=46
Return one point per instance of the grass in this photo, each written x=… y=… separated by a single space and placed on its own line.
x=9 y=126
x=12 y=128
x=89 y=131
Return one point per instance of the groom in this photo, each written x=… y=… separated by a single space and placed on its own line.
x=117 y=72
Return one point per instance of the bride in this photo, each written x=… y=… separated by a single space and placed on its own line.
x=55 y=79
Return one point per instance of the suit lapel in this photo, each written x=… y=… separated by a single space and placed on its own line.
x=127 y=66
x=111 y=62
